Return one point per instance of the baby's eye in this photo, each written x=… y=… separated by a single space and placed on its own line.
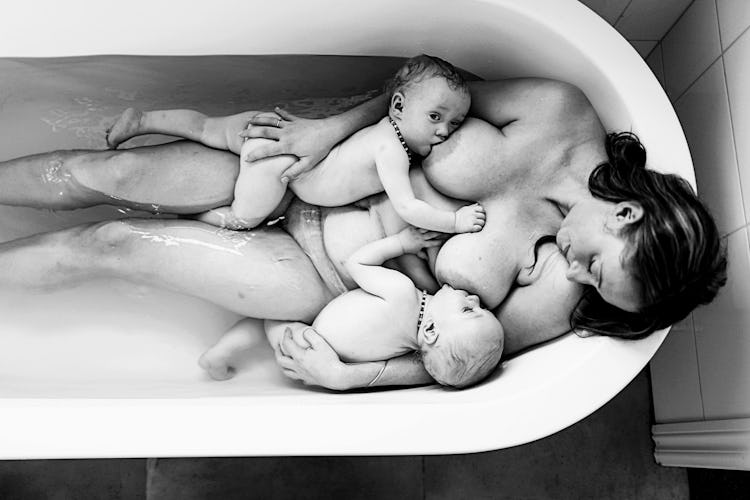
x=435 y=116
x=467 y=309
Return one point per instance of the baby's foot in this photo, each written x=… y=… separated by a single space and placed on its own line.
x=126 y=126
x=216 y=366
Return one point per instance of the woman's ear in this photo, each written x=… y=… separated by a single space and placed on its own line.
x=397 y=104
x=624 y=213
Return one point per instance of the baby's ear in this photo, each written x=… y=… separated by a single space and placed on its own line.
x=430 y=332
x=397 y=104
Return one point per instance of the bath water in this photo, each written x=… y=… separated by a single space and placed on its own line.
x=112 y=338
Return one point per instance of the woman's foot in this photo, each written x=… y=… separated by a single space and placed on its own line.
x=127 y=125
x=216 y=366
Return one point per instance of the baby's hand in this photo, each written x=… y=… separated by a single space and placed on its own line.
x=413 y=239
x=470 y=219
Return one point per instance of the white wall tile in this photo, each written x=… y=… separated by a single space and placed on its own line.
x=704 y=114
x=691 y=46
x=734 y=18
x=644 y=47
x=675 y=382
x=650 y=19
x=737 y=64
x=655 y=62
x=722 y=332
x=609 y=10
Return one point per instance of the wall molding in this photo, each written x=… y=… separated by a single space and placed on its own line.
x=713 y=444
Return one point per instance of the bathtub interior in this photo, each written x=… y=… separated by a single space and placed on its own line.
x=106 y=340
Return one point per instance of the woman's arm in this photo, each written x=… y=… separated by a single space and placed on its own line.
x=313 y=362
x=310 y=139
x=528 y=100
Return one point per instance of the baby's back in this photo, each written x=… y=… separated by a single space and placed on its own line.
x=348 y=173
x=362 y=327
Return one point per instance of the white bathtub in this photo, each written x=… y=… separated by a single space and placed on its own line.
x=115 y=374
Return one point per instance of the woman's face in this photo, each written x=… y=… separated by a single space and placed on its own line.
x=590 y=240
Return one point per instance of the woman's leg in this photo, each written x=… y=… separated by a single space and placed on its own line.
x=179 y=177
x=262 y=273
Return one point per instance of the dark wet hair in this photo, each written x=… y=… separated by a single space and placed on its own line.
x=421 y=67
x=674 y=251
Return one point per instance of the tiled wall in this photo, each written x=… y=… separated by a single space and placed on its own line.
x=700 y=51
x=702 y=372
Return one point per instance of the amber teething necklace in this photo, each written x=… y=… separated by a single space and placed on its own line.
x=400 y=138
x=421 y=309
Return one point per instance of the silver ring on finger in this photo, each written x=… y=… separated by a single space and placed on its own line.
x=278 y=122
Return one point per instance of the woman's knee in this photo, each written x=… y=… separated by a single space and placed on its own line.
x=109 y=237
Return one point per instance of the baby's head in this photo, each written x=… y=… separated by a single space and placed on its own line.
x=429 y=99
x=460 y=342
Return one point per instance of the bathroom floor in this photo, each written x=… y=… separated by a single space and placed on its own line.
x=609 y=455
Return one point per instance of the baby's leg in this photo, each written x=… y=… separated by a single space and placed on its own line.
x=216 y=132
x=219 y=359
x=257 y=191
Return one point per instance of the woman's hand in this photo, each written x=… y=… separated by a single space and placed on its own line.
x=307 y=357
x=413 y=239
x=307 y=139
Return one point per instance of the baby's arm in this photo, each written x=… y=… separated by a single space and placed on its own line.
x=393 y=169
x=365 y=266
x=215 y=132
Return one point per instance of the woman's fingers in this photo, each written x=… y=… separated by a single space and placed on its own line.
x=267 y=120
x=284 y=114
x=298 y=167
x=314 y=340
x=289 y=347
x=261 y=132
x=264 y=151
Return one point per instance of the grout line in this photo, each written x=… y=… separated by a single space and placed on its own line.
x=622 y=14
x=718 y=26
x=698 y=365
x=424 y=493
x=671 y=27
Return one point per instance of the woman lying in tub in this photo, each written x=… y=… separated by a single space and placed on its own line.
x=638 y=249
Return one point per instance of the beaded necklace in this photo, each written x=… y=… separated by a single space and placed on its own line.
x=421 y=308
x=400 y=138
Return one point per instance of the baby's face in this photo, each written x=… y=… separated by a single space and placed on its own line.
x=466 y=333
x=431 y=112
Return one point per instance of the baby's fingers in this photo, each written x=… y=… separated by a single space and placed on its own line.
x=430 y=235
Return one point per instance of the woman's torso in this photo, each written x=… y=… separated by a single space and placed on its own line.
x=510 y=179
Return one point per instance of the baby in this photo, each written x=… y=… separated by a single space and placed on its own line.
x=460 y=342
x=429 y=99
